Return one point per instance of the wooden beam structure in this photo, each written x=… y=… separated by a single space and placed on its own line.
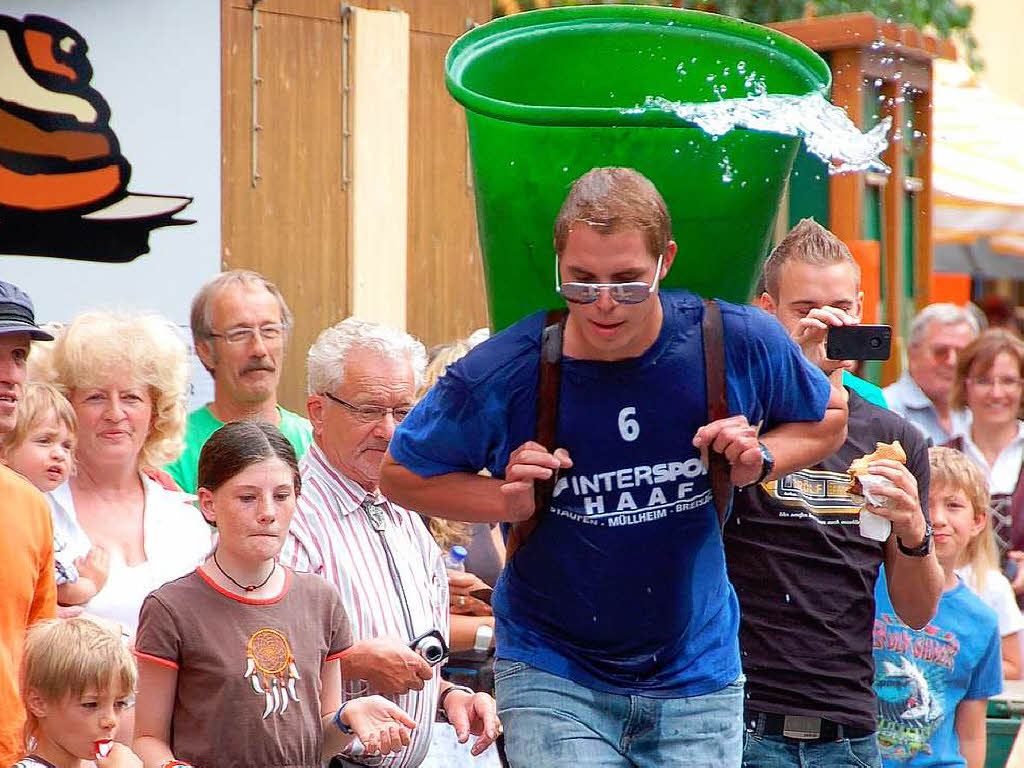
x=846 y=198
x=893 y=226
x=871 y=55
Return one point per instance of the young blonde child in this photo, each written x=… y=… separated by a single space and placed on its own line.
x=41 y=447
x=78 y=681
x=933 y=684
x=979 y=568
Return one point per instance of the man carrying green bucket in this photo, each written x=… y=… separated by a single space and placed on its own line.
x=616 y=623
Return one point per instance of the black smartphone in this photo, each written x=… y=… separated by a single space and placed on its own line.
x=859 y=342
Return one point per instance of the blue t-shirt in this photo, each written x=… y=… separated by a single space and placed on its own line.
x=921 y=676
x=622 y=587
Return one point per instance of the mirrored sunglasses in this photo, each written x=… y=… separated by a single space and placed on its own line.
x=621 y=293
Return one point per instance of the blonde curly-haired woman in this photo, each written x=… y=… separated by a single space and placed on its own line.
x=126 y=378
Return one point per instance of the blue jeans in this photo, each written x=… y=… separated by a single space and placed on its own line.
x=552 y=721
x=780 y=752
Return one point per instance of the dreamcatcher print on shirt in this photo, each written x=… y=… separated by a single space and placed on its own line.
x=270 y=667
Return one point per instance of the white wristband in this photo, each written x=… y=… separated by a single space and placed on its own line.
x=483 y=639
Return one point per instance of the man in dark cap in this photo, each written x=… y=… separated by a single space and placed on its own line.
x=26 y=548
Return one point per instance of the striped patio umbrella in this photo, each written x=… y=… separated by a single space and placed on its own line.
x=978 y=162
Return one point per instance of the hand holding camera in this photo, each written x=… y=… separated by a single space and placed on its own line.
x=813 y=330
x=388 y=664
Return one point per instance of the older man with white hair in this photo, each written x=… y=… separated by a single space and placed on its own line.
x=924 y=394
x=362 y=379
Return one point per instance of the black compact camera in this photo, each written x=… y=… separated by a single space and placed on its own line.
x=859 y=342
x=431 y=646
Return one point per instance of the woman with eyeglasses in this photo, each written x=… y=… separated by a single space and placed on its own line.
x=990 y=375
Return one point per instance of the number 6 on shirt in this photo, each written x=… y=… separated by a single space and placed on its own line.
x=628 y=428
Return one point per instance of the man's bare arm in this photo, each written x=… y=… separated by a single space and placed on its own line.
x=802 y=444
x=471 y=497
x=914 y=583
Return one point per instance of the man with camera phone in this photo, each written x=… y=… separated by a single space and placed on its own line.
x=362 y=381
x=803 y=571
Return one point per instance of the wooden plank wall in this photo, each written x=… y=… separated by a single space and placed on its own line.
x=293 y=224
x=446 y=298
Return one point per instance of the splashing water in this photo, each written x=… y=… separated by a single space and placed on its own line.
x=825 y=128
x=727 y=170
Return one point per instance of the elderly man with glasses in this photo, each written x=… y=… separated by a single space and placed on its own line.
x=363 y=379
x=616 y=623
x=240 y=324
x=924 y=393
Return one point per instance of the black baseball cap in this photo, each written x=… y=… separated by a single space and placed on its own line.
x=17 y=314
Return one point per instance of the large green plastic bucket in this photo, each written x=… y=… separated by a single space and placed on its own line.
x=545 y=94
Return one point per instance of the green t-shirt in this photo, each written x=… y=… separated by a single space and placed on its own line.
x=867 y=390
x=202 y=423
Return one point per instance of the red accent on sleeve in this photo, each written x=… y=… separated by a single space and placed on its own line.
x=157 y=660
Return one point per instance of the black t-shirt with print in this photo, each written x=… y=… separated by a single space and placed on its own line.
x=805 y=579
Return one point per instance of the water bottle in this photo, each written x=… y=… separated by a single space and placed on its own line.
x=455 y=560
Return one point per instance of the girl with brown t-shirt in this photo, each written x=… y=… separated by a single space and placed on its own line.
x=238 y=661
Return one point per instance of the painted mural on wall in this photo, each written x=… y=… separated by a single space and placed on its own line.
x=63 y=180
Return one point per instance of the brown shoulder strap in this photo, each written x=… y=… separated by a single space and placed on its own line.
x=548 y=386
x=718 y=404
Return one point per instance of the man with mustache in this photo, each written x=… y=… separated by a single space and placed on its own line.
x=240 y=325
x=26 y=548
x=363 y=379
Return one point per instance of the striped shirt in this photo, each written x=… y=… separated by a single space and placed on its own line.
x=331 y=535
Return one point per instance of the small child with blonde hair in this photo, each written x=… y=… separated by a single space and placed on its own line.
x=41 y=448
x=933 y=684
x=78 y=681
x=979 y=568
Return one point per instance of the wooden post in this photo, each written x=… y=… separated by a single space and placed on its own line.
x=924 y=256
x=892 y=228
x=846 y=201
x=379 y=202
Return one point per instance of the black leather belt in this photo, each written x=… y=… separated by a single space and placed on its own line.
x=800 y=727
